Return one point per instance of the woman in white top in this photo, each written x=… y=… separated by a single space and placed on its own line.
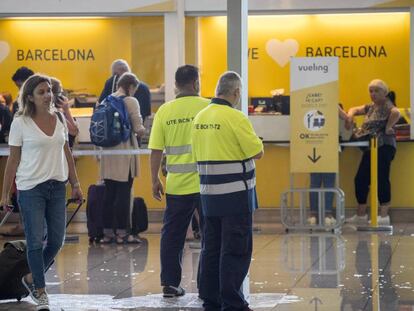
x=41 y=160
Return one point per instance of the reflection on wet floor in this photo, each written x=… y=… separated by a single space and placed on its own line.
x=295 y=271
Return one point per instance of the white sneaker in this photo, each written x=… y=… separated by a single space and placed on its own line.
x=42 y=302
x=384 y=221
x=330 y=221
x=357 y=219
x=312 y=221
x=40 y=299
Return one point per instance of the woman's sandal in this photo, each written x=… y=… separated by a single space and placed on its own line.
x=132 y=239
x=128 y=239
x=108 y=240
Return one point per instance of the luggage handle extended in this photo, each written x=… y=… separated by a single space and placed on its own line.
x=69 y=201
x=10 y=209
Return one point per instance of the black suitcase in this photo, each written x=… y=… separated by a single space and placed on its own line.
x=139 y=221
x=94 y=212
x=13 y=264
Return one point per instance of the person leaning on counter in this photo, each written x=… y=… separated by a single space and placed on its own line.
x=380 y=117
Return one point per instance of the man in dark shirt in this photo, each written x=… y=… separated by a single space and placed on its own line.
x=19 y=77
x=5 y=122
x=143 y=94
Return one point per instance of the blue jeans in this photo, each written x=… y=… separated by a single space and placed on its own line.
x=43 y=207
x=316 y=181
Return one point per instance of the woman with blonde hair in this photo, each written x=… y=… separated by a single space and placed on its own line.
x=380 y=117
x=42 y=163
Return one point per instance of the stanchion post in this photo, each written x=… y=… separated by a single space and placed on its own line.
x=374 y=181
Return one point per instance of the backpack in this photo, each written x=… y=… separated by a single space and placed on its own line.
x=139 y=221
x=110 y=123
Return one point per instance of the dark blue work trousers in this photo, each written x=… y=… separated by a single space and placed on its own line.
x=225 y=260
x=177 y=218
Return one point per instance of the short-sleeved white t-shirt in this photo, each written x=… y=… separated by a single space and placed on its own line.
x=42 y=157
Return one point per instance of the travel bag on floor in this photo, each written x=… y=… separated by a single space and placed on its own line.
x=94 y=212
x=139 y=216
x=13 y=265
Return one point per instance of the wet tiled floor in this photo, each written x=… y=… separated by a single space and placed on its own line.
x=295 y=271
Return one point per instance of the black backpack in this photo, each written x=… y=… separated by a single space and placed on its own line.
x=139 y=221
x=13 y=266
x=94 y=212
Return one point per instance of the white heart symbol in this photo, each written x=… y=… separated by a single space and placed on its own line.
x=281 y=52
x=4 y=50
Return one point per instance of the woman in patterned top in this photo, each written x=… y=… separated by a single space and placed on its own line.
x=380 y=117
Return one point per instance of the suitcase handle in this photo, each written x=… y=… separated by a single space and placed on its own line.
x=4 y=220
x=70 y=201
x=8 y=208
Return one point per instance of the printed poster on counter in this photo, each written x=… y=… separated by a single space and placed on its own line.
x=314 y=103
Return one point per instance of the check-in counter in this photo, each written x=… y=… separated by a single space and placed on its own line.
x=271 y=127
x=276 y=128
x=83 y=118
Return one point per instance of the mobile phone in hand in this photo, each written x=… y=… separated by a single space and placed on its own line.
x=58 y=100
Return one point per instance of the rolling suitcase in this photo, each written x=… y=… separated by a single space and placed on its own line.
x=139 y=217
x=94 y=212
x=13 y=263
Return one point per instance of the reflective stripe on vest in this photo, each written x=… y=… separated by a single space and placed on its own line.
x=177 y=150
x=182 y=168
x=211 y=189
x=225 y=168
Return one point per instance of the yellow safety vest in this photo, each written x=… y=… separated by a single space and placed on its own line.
x=171 y=131
x=224 y=143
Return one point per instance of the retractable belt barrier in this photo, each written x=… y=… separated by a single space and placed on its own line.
x=4 y=151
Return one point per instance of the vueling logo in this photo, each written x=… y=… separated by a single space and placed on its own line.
x=4 y=50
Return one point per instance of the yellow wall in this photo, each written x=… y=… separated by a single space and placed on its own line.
x=148 y=49
x=84 y=75
x=139 y=40
x=388 y=30
x=146 y=54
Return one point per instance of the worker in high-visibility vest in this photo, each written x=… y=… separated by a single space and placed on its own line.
x=225 y=146
x=171 y=131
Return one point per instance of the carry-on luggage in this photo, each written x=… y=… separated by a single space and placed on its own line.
x=94 y=212
x=13 y=263
x=139 y=221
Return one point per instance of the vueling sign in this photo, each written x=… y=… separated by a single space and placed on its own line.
x=55 y=55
